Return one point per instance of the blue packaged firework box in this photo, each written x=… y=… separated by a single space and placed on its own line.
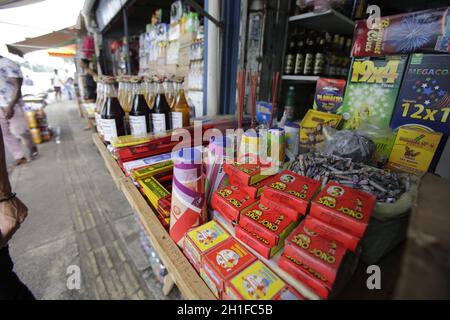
x=424 y=98
x=329 y=94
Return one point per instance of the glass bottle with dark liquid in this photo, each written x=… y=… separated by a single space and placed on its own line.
x=112 y=115
x=161 y=111
x=139 y=113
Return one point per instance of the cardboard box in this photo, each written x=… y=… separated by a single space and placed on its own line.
x=128 y=166
x=254 y=190
x=312 y=125
x=256 y=282
x=329 y=94
x=317 y=252
x=248 y=174
x=424 y=97
x=292 y=214
x=372 y=89
x=266 y=222
x=152 y=170
x=153 y=190
x=343 y=207
x=306 y=275
x=289 y=293
x=224 y=261
x=291 y=189
x=257 y=243
x=332 y=233
x=230 y=201
x=198 y=241
x=413 y=150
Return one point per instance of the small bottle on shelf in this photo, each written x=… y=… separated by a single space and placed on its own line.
x=290 y=58
x=309 y=55
x=160 y=111
x=139 y=113
x=320 y=57
x=300 y=55
x=113 y=125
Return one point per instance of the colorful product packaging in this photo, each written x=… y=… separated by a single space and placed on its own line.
x=198 y=241
x=223 y=262
x=332 y=233
x=164 y=206
x=320 y=254
x=128 y=166
x=291 y=189
x=153 y=190
x=424 y=98
x=345 y=208
x=372 y=90
x=414 y=150
x=329 y=94
x=151 y=170
x=312 y=125
x=422 y=31
x=142 y=151
x=230 y=201
x=128 y=141
x=306 y=275
x=257 y=242
x=256 y=282
x=247 y=173
x=254 y=191
x=272 y=225
x=292 y=214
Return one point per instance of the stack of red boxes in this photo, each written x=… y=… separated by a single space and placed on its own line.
x=230 y=201
x=312 y=259
x=340 y=213
x=266 y=224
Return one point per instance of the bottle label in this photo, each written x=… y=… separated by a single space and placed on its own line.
x=109 y=129
x=289 y=111
x=98 y=123
x=177 y=120
x=319 y=63
x=159 y=122
x=299 y=63
x=309 y=61
x=290 y=61
x=138 y=125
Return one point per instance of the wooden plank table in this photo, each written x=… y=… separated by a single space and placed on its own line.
x=181 y=271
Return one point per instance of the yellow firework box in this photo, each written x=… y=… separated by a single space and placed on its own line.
x=200 y=240
x=127 y=141
x=257 y=282
x=146 y=172
x=311 y=127
x=414 y=150
x=153 y=190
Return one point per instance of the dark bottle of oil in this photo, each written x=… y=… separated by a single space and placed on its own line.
x=139 y=113
x=161 y=111
x=309 y=55
x=113 y=115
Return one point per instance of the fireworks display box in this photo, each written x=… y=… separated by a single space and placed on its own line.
x=332 y=233
x=293 y=190
x=248 y=173
x=414 y=150
x=292 y=214
x=153 y=190
x=422 y=31
x=200 y=240
x=143 y=151
x=230 y=201
x=343 y=207
x=256 y=282
x=318 y=253
x=254 y=190
x=312 y=125
x=372 y=89
x=128 y=166
x=270 y=224
x=306 y=275
x=257 y=242
x=424 y=98
x=152 y=170
x=223 y=262
x=329 y=94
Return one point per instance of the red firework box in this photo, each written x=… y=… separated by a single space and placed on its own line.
x=257 y=243
x=294 y=215
x=230 y=201
x=254 y=190
x=343 y=207
x=332 y=233
x=248 y=174
x=200 y=240
x=270 y=224
x=318 y=253
x=223 y=262
x=293 y=190
x=306 y=275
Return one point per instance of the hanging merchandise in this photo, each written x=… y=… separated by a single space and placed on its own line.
x=423 y=31
x=424 y=98
x=372 y=90
x=139 y=114
x=160 y=110
x=113 y=114
x=329 y=94
x=188 y=193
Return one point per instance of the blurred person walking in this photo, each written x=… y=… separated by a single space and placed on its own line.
x=12 y=119
x=58 y=84
x=68 y=85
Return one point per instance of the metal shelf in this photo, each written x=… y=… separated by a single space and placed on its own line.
x=304 y=79
x=330 y=20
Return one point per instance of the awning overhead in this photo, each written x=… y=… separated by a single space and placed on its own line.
x=64 y=52
x=6 y=4
x=55 y=39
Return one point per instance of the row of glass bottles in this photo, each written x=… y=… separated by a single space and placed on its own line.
x=145 y=105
